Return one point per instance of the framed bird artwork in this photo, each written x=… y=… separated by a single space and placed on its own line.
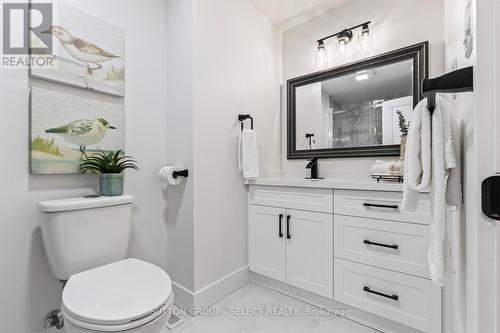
x=65 y=128
x=88 y=52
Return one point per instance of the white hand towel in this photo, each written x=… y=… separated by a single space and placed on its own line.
x=431 y=161
x=240 y=161
x=247 y=154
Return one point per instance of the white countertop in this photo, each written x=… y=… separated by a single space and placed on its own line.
x=333 y=183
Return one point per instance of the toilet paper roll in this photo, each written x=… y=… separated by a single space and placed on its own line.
x=166 y=176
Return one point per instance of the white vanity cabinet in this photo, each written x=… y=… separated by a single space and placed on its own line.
x=292 y=245
x=380 y=260
x=349 y=242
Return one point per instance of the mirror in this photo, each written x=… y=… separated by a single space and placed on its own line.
x=353 y=110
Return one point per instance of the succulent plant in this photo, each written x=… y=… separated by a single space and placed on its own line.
x=102 y=162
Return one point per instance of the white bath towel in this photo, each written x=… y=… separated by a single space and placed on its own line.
x=247 y=154
x=432 y=162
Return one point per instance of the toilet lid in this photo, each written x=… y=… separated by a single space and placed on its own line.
x=116 y=293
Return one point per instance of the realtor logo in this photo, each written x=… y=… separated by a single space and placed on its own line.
x=25 y=41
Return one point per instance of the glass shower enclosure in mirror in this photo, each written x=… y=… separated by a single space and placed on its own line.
x=353 y=110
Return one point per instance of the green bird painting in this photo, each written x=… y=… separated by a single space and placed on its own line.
x=66 y=127
x=83 y=132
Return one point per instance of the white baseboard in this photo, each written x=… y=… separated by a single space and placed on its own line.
x=211 y=294
x=183 y=297
x=217 y=290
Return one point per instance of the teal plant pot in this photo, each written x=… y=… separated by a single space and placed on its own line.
x=110 y=184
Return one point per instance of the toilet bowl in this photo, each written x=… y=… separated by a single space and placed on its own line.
x=129 y=295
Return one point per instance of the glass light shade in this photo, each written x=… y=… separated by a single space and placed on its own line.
x=365 y=42
x=344 y=51
x=341 y=52
x=330 y=52
x=321 y=57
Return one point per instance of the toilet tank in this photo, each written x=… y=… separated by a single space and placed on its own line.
x=83 y=233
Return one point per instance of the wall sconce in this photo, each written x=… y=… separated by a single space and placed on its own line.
x=344 y=39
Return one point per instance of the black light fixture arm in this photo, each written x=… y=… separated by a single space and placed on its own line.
x=343 y=31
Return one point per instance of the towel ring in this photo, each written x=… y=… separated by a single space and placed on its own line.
x=243 y=117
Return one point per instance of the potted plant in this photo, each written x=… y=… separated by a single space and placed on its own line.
x=110 y=167
x=403 y=127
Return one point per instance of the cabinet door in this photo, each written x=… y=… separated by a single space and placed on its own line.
x=266 y=245
x=310 y=251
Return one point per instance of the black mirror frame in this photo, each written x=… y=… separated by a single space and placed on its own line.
x=418 y=53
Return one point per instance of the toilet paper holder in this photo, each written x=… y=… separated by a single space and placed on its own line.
x=181 y=173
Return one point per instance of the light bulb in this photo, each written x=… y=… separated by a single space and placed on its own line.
x=365 y=40
x=344 y=37
x=343 y=40
x=365 y=31
x=321 y=55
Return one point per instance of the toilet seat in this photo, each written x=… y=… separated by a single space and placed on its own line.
x=141 y=322
x=119 y=296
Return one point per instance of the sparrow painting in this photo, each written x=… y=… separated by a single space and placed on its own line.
x=81 y=49
x=83 y=132
x=88 y=52
x=65 y=127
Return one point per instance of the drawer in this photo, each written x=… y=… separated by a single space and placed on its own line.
x=380 y=205
x=406 y=299
x=401 y=247
x=311 y=199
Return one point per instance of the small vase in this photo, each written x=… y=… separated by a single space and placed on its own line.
x=110 y=184
x=402 y=148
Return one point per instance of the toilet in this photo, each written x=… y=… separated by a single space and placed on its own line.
x=86 y=241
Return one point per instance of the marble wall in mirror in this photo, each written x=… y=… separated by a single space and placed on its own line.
x=358 y=109
x=353 y=111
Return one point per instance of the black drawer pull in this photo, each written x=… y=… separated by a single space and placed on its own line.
x=280 y=226
x=395 y=247
x=368 y=290
x=288 y=235
x=366 y=204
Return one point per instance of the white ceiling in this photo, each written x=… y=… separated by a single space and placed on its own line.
x=285 y=12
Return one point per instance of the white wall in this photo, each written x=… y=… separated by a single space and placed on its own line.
x=482 y=233
x=180 y=146
x=236 y=71
x=455 y=302
x=223 y=60
x=395 y=23
x=29 y=291
x=312 y=99
x=477 y=113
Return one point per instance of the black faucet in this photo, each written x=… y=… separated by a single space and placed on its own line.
x=313 y=165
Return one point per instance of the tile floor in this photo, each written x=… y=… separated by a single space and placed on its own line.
x=258 y=309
